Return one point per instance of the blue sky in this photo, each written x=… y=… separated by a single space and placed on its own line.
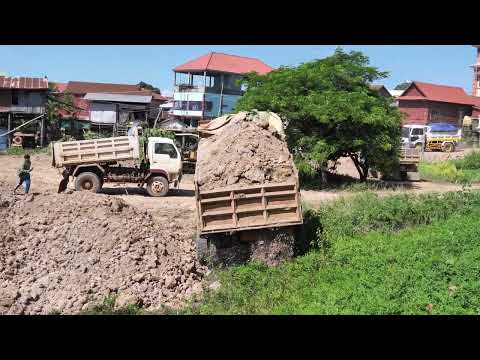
x=153 y=64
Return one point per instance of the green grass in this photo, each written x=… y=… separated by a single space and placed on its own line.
x=374 y=274
x=21 y=151
x=108 y=308
x=460 y=171
x=367 y=261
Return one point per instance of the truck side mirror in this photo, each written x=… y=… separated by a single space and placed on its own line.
x=413 y=138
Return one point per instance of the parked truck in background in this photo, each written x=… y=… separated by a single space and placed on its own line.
x=428 y=138
x=118 y=159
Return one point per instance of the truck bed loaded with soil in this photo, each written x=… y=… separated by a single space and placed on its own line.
x=247 y=191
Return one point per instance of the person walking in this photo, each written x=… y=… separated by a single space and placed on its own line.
x=24 y=174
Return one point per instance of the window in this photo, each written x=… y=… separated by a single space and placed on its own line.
x=180 y=105
x=417 y=131
x=208 y=106
x=14 y=99
x=195 y=105
x=166 y=149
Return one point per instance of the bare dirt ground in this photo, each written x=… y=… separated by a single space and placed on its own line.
x=67 y=252
x=179 y=206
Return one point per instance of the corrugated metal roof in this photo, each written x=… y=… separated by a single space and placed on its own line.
x=82 y=87
x=24 y=83
x=118 y=98
x=225 y=63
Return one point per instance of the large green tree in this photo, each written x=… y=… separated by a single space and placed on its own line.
x=330 y=112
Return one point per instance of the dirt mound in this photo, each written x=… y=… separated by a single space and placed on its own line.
x=67 y=252
x=246 y=151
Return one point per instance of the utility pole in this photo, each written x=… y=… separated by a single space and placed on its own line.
x=9 y=128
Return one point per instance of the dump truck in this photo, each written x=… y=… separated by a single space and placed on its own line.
x=118 y=159
x=438 y=136
x=408 y=164
x=238 y=216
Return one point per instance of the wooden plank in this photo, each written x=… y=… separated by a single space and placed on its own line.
x=213 y=200
x=218 y=229
x=234 y=215
x=275 y=207
x=215 y=213
x=246 y=188
x=264 y=205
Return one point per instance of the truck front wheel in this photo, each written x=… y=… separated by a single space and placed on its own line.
x=157 y=186
x=88 y=181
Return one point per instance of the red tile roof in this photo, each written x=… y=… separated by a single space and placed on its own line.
x=435 y=92
x=81 y=87
x=225 y=63
x=24 y=83
x=60 y=87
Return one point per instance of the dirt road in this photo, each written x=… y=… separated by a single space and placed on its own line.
x=179 y=206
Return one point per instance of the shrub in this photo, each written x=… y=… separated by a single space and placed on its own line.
x=469 y=162
x=443 y=171
x=368 y=212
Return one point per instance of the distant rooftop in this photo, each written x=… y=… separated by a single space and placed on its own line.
x=220 y=62
x=118 y=98
x=82 y=87
x=436 y=92
x=23 y=83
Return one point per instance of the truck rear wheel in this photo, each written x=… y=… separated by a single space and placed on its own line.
x=448 y=147
x=274 y=246
x=88 y=181
x=157 y=186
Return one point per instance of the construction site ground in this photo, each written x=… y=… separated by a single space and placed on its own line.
x=181 y=201
x=181 y=277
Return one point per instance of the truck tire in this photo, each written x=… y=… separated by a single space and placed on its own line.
x=202 y=249
x=274 y=246
x=448 y=147
x=157 y=186
x=88 y=181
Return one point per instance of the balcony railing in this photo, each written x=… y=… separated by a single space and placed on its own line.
x=27 y=109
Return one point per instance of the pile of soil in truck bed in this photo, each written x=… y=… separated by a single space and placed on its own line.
x=67 y=252
x=244 y=152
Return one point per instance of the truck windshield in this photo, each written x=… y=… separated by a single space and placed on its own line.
x=405 y=132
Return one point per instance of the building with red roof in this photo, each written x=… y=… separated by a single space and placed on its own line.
x=224 y=63
x=424 y=103
x=209 y=86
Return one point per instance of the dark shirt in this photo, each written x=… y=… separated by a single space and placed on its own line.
x=25 y=169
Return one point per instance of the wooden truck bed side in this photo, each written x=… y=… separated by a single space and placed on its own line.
x=409 y=156
x=96 y=150
x=249 y=207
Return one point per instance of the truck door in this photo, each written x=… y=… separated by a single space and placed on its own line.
x=165 y=156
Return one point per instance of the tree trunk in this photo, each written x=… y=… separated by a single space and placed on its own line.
x=361 y=168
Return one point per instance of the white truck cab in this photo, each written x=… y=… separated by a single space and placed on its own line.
x=164 y=155
x=413 y=136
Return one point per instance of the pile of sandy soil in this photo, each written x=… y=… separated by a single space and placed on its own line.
x=66 y=252
x=246 y=151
